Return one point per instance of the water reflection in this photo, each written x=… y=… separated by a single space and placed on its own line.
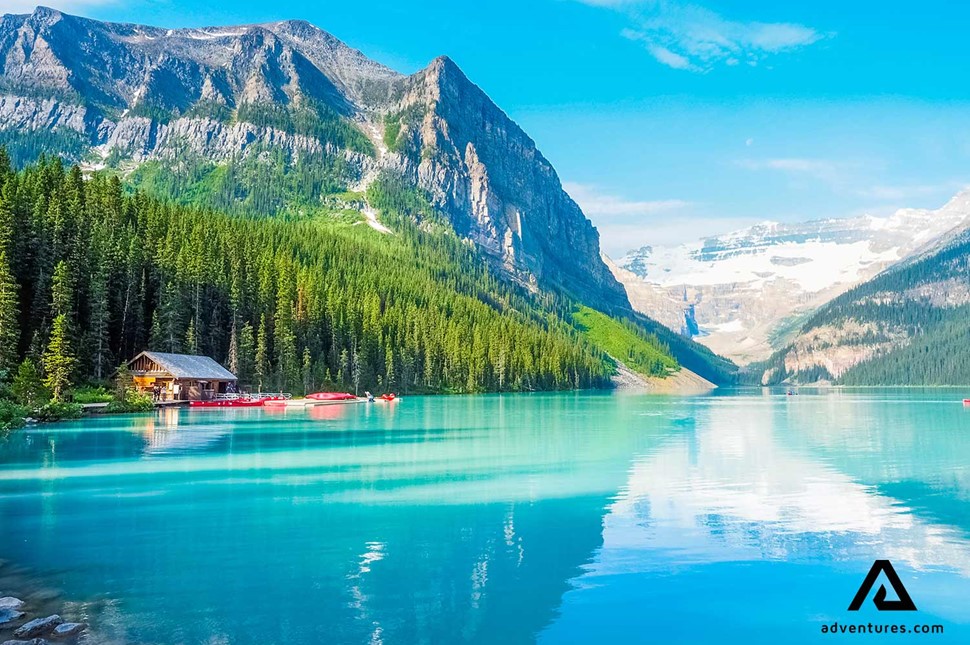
x=567 y=518
x=795 y=496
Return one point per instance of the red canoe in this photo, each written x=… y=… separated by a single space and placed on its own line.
x=388 y=397
x=253 y=401
x=966 y=401
x=228 y=403
x=331 y=396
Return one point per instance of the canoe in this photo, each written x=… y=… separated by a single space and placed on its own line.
x=228 y=403
x=331 y=396
x=388 y=397
x=308 y=402
x=249 y=401
x=966 y=401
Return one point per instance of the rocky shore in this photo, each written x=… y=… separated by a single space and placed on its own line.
x=33 y=615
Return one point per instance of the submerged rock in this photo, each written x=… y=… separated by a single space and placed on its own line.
x=38 y=627
x=10 y=615
x=9 y=602
x=33 y=641
x=69 y=629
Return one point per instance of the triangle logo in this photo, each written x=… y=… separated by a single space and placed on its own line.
x=904 y=602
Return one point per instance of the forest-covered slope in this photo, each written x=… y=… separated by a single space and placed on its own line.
x=313 y=147
x=293 y=305
x=907 y=326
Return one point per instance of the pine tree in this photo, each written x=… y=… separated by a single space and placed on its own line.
x=307 y=370
x=62 y=291
x=28 y=386
x=124 y=383
x=232 y=360
x=247 y=354
x=156 y=338
x=191 y=345
x=98 y=339
x=59 y=361
x=9 y=316
x=261 y=368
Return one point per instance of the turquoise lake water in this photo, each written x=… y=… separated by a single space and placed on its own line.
x=568 y=518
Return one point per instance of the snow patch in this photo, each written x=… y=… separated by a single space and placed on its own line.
x=373 y=222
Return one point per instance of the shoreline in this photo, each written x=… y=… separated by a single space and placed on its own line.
x=33 y=613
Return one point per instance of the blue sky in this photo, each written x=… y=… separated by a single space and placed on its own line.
x=669 y=120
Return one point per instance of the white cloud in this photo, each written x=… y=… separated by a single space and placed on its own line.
x=601 y=205
x=28 y=6
x=626 y=224
x=690 y=37
x=617 y=240
x=669 y=58
x=902 y=192
x=854 y=178
x=831 y=172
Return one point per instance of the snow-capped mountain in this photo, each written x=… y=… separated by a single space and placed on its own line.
x=739 y=293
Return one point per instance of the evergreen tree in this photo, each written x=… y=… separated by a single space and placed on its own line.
x=98 y=337
x=307 y=371
x=62 y=291
x=28 y=386
x=59 y=361
x=191 y=345
x=261 y=366
x=247 y=355
x=9 y=316
x=232 y=360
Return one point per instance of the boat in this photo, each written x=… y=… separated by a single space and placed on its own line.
x=390 y=396
x=966 y=401
x=243 y=401
x=228 y=403
x=315 y=399
x=331 y=396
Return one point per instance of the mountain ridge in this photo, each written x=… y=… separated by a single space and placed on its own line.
x=744 y=292
x=125 y=93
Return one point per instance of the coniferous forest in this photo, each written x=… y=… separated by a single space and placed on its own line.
x=90 y=275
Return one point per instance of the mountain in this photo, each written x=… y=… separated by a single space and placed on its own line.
x=418 y=184
x=744 y=293
x=175 y=108
x=910 y=325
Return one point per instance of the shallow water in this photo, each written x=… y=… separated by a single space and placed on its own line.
x=569 y=518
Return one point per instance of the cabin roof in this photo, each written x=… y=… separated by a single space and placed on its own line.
x=189 y=366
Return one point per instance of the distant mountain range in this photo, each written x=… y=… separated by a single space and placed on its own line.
x=747 y=293
x=910 y=325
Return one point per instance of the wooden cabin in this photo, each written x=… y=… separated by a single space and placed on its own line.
x=180 y=377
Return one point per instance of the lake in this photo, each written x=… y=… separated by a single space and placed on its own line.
x=743 y=516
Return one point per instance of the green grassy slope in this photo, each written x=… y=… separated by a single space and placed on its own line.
x=641 y=352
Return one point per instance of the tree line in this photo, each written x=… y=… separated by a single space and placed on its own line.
x=91 y=274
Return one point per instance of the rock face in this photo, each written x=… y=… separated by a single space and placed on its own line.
x=142 y=93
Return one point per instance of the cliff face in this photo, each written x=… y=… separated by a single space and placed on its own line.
x=500 y=191
x=136 y=93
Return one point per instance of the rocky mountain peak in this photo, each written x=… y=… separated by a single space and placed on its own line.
x=147 y=93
